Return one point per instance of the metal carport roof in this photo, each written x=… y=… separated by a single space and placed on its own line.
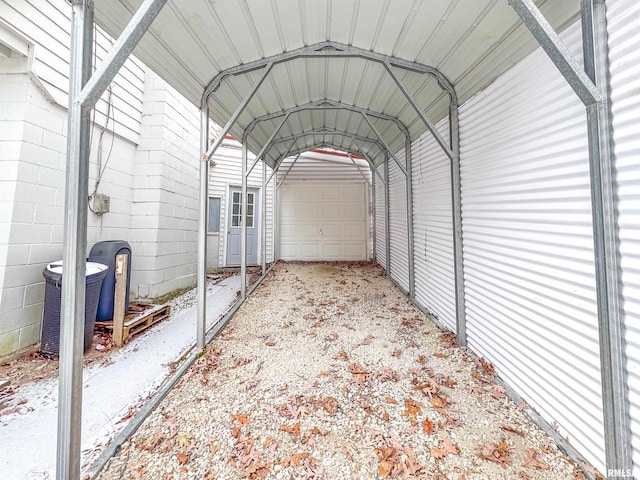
x=227 y=44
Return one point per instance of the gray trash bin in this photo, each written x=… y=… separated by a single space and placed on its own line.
x=50 y=336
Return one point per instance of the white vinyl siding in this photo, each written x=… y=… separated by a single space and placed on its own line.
x=48 y=24
x=324 y=167
x=398 y=223
x=528 y=246
x=624 y=53
x=433 y=228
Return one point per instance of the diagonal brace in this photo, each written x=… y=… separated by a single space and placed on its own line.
x=119 y=53
x=559 y=54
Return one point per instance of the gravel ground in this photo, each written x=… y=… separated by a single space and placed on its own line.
x=328 y=372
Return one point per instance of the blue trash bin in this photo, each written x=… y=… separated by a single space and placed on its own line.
x=106 y=252
x=50 y=336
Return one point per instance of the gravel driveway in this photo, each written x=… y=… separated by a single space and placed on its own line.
x=327 y=371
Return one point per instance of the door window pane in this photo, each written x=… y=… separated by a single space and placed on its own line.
x=250 y=200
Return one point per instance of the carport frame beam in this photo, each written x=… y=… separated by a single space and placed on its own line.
x=592 y=87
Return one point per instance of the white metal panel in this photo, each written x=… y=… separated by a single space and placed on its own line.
x=398 y=223
x=433 y=228
x=528 y=246
x=323 y=221
x=623 y=19
x=380 y=233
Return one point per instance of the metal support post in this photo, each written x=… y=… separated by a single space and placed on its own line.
x=120 y=51
x=379 y=175
x=614 y=378
x=456 y=215
x=387 y=233
x=263 y=218
x=276 y=223
x=202 y=228
x=243 y=227
x=373 y=213
x=409 y=191
x=75 y=248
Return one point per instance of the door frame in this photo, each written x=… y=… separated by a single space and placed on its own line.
x=227 y=217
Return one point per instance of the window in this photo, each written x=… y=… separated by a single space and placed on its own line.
x=236 y=209
x=214 y=215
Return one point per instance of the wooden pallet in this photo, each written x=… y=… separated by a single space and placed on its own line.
x=139 y=321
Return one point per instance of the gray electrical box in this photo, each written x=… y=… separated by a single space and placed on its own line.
x=101 y=204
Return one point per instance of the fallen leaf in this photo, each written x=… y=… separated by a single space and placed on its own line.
x=392 y=400
x=182 y=458
x=396 y=353
x=530 y=460
x=440 y=355
x=525 y=476
x=412 y=408
x=449 y=446
x=342 y=355
x=295 y=459
x=235 y=432
x=384 y=468
x=507 y=428
x=427 y=426
x=270 y=344
x=438 y=453
x=330 y=405
x=241 y=419
x=497 y=452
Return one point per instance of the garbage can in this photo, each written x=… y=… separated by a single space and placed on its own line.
x=106 y=253
x=50 y=336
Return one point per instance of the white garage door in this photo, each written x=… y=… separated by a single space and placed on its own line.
x=320 y=221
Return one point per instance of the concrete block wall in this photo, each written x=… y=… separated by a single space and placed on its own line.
x=164 y=221
x=32 y=155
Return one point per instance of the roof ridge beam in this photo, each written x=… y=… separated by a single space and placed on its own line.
x=328 y=50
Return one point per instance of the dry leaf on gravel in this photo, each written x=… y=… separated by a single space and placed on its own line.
x=497 y=452
x=427 y=426
x=531 y=461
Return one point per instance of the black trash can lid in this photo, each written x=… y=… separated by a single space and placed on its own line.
x=92 y=268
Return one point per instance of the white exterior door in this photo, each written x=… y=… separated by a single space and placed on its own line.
x=323 y=221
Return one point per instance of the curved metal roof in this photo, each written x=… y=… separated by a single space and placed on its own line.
x=353 y=74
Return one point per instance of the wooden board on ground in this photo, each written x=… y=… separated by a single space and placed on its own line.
x=143 y=317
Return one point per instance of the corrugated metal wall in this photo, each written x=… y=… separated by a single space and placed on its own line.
x=433 y=228
x=398 y=223
x=623 y=19
x=528 y=248
x=380 y=233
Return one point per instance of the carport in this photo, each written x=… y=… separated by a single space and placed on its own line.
x=287 y=77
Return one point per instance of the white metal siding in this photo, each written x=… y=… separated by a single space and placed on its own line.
x=528 y=247
x=48 y=24
x=433 y=228
x=623 y=19
x=398 y=223
x=380 y=233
